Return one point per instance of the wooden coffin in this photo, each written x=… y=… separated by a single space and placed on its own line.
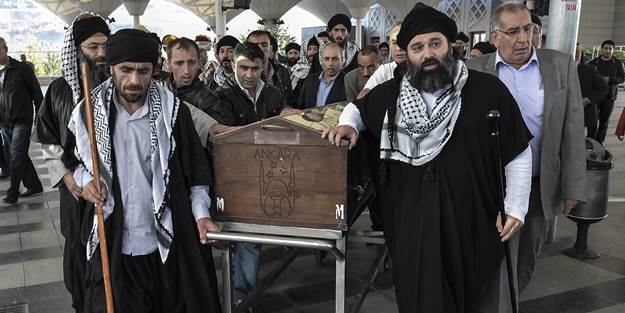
x=281 y=172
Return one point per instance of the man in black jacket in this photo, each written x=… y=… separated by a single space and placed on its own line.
x=19 y=91
x=594 y=90
x=339 y=28
x=273 y=73
x=184 y=63
x=327 y=87
x=611 y=70
x=249 y=101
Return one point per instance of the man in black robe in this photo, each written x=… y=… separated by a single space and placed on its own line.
x=339 y=28
x=86 y=37
x=437 y=182
x=155 y=189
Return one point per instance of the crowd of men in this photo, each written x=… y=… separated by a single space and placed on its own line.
x=419 y=101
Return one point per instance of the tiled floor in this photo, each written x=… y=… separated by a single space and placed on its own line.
x=31 y=249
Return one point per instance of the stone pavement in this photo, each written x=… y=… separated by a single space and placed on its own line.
x=31 y=249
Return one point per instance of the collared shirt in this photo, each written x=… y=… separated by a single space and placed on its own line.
x=324 y=89
x=131 y=139
x=3 y=70
x=259 y=88
x=526 y=86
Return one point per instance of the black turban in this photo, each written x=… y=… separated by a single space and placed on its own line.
x=536 y=20
x=228 y=40
x=312 y=42
x=485 y=47
x=292 y=46
x=424 y=19
x=340 y=19
x=85 y=28
x=131 y=45
x=383 y=45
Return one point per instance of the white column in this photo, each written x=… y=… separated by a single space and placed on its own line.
x=136 y=20
x=220 y=19
x=563 y=25
x=359 y=32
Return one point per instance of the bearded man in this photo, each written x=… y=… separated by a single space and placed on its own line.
x=222 y=72
x=85 y=39
x=437 y=181
x=339 y=27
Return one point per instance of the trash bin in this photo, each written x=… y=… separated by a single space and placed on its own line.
x=598 y=165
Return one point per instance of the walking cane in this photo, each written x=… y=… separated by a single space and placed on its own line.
x=493 y=119
x=106 y=273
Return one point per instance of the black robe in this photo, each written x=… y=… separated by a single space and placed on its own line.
x=189 y=272
x=439 y=218
x=51 y=128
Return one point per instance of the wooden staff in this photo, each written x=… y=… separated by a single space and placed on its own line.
x=106 y=271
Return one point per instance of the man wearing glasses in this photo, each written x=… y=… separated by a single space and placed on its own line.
x=545 y=85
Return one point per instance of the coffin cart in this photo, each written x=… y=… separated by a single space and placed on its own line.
x=277 y=182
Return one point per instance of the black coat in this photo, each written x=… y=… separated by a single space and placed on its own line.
x=308 y=94
x=613 y=69
x=236 y=109
x=196 y=94
x=54 y=113
x=18 y=93
x=591 y=83
x=281 y=79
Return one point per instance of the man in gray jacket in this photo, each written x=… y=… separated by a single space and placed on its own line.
x=368 y=62
x=546 y=88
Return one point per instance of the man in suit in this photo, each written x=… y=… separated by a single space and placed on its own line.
x=328 y=86
x=546 y=88
x=368 y=62
x=594 y=90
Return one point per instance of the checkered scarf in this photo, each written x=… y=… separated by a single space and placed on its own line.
x=163 y=114
x=419 y=137
x=302 y=67
x=69 y=61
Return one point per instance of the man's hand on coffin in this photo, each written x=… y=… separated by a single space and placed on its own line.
x=512 y=226
x=335 y=134
x=205 y=225
x=72 y=186
x=90 y=193
x=220 y=128
x=287 y=111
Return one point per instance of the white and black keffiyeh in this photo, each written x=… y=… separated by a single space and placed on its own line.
x=69 y=60
x=163 y=115
x=302 y=67
x=419 y=137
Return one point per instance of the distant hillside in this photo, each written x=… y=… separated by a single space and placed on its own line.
x=23 y=22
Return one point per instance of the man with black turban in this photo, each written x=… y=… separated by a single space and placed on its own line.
x=155 y=196
x=430 y=142
x=292 y=51
x=221 y=72
x=85 y=39
x=339 y=27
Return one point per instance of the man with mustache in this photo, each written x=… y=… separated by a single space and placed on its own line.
x=248 y=100
x=368 y=62
x=292 y=53
x=339 y=27
x=307 y=64
x=430 y=142
x=223 y=71
x=384 y=52
x=154 y=189
x=545 y=84
x=328 y=86
x=386 y=71
x=85 y=39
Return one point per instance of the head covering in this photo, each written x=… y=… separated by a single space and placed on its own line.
x=291 y=46
x=463 y=37
x=228 y=40
x=312 y=42
x=323 y=34
x=484 y=47
x=340 y=19
x=87 y=27
x=424 y=19
x=383 y=45
x=131 y=45
x=69 y=57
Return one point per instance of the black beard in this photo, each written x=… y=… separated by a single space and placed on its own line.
x=431 y=81
x=291 y=62
x=97 y=74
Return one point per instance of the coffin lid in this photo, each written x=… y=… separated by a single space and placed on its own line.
x=302 y=128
